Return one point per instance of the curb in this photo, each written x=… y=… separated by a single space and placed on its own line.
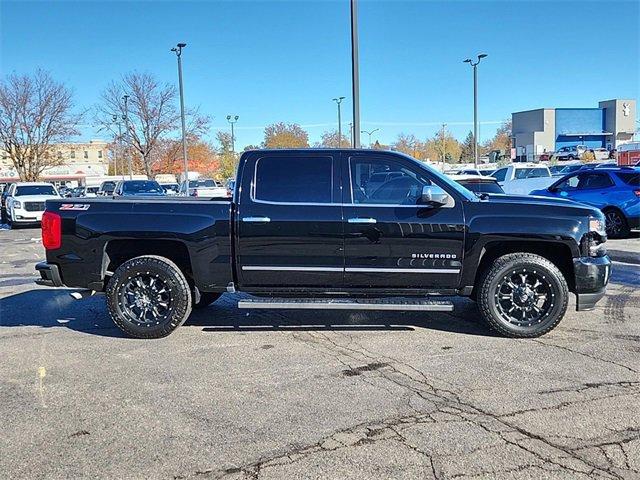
x=623 y=256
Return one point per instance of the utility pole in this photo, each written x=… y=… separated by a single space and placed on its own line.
x=475 y=104
x=355 y=74
x=351 y=134
x=370 y=133
x=178 y=51
x=338 y=101
x=232 y=119
x=126 y=127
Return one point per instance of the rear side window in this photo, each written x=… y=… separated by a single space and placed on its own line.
x=304 y=179
x=482 y=187
x=500 y=174
x=590 y=181
x=630 y=178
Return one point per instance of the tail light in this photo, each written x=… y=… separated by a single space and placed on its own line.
x=51 y=230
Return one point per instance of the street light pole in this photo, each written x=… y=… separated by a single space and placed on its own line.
x=126 y=127
x=370 y=133
x=232 y=119
x=338 y=102
x=475 y=104
x=355 y=74
x=178 y=51
x=117 y=121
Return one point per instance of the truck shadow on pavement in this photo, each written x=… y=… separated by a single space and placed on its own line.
x=48 y=308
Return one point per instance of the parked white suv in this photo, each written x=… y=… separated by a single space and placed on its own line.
x=522 y=178
x=25 y=201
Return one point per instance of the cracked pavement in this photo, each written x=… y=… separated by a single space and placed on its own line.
x=312 y=394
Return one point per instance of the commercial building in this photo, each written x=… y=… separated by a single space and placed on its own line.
x=610 y=125
x=77 y=161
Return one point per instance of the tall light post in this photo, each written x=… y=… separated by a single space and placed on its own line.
x=355 y=74
x=116 y=120
x=178 y=51
x=370 y=133
x=126 y=128
x=338 y=101
x=232 y=119
x=475 y=104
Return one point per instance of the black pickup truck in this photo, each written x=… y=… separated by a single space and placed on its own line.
x=331 y=229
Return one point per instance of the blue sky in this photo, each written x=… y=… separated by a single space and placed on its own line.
x=272 y=61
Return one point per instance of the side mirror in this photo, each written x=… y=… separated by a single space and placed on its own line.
x=434 y=195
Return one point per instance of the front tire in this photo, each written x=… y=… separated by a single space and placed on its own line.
x=148 y=297
x=523 y=295
x=615 y=224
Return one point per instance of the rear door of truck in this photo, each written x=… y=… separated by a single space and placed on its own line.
x=289 y=221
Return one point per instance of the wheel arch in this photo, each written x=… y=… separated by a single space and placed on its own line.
x=558 y=253
x=118 y=251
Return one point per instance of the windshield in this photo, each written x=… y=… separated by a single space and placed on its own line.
x=142 y=186
x=202 y=183
x=531 y=173
x=108 y=186
x=35 y=190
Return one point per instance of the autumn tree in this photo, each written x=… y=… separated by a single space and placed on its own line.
x=409 y=145
x=443 y=143
x=201 y=155
x=502 y=139
x=227 y=157
x=282 y=135
x=36 y=112
x=330 y=140
x=151 y=111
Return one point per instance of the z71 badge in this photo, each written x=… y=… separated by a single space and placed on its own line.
x=74 y=206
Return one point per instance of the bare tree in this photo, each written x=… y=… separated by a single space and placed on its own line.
x=36 y=112
x=151 y=111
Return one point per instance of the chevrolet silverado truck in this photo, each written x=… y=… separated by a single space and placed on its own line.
x=306 y=230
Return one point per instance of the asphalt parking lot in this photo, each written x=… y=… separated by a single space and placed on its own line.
x=345 y=395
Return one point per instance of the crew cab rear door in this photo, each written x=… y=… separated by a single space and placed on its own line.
x=289 y=221
x=392 y=240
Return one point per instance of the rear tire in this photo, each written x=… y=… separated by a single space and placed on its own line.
x=523 y=295
x=206 y=299
x=148 y=297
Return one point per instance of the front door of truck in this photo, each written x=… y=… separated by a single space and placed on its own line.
x=289 y=221
x=392 y=239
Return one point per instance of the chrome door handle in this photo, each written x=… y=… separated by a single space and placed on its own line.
x=256 y=219
x=362 y=220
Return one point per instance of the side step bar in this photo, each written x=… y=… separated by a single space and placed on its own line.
x=401 y=304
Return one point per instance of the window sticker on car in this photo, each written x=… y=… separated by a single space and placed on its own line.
x=74 y=206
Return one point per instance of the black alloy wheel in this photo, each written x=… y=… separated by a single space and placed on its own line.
x=615 y=224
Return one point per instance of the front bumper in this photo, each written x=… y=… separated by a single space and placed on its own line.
x=591 y=278
x=23 y=216
x=49 y=275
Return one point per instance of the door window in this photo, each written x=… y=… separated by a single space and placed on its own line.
x=383 y=181
x=568 y=184
x=590 y=181
x=293 y=179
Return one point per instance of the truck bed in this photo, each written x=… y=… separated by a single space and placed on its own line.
x=92 y=241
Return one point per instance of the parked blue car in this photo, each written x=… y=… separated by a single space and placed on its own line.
x=615 y=191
